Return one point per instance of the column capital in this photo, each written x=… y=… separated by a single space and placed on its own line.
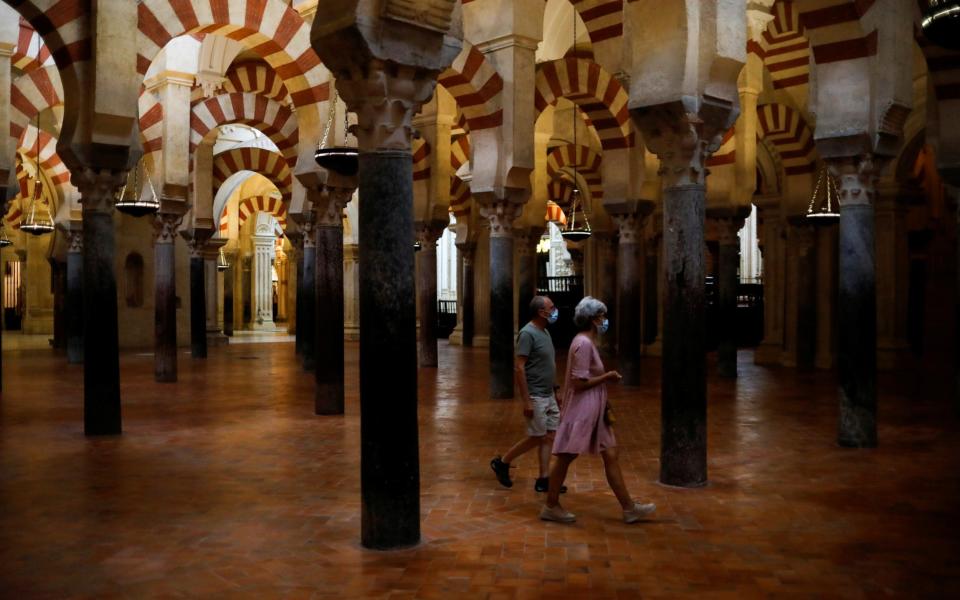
x=500 y=213
x=196 y=240
x=428 y=232
x=802 y=233
x=729 y=221
x=684 y=139
x=98 y=188
x=75 y=241
x=856 y=178
x=309 y=227
x=165 y=226
x=329 y=206
x=630 y=227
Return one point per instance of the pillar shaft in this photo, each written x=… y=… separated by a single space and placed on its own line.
x=228 y=297
x=198 y=305
x=101 y=365
x=857 y=318
x=727 y=283
x=210 y=293
x=526 y=241
x=309 y=306
x=263 y=249
x=427 y=234
x=329 y=303
x=629 y=296
x=298 y=327
x=467 y=253
x=75 y=298
x=58 y=272
x=165 y=299
x=501 y=312
x=651 y=294
x=893 y=274
x=770 y=349
x=389 y=455
x=606 y=248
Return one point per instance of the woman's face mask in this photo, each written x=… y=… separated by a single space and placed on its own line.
x=604 y=326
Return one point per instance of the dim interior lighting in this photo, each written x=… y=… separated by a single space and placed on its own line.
x=824 y=204
x=222 y=264
x=136 y=204
x=576 y=232
x=941 y=23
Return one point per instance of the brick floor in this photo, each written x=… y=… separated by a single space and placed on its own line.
x=226 y=485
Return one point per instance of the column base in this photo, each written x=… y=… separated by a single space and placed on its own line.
x=264 y=326
x=456 y=338
x=481 y=341
x=892 y=355
x=217 y=339
x=351 y=333
x=654 y=349
x=768 y=354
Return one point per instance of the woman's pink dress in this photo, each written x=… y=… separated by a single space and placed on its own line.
x=582 y=429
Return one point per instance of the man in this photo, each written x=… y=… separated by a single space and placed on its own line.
x=535 y=374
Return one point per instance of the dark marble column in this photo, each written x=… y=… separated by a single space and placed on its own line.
x=101 y=365
x=605 y=243
x=729 y=222
x=956 y=307
x=651 y=291
x=228 y=284
x=526 y=244
x=467 y=254
x=165 y=290
x=298 y=312
x=427 y=234
x=198 y=297
x=329 y=301
x=246 y=289
x=629 y=295
x=307 y=318
x=857 y=312
x=501 y=215
x=75 y=298
x=804 y=235
x=58 y=273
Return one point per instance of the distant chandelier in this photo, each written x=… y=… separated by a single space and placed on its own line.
x=37 y=224
x=575 y=232
x=222 y=264
x=941 y=23
x=824 y=204
x=4 y=240
x=136 y=204
x=343 y=160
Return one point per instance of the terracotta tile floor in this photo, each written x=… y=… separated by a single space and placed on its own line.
x=226 y=485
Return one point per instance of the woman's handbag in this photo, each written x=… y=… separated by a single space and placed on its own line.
x=608 y=417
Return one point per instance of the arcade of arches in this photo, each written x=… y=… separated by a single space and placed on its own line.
x=687 y=142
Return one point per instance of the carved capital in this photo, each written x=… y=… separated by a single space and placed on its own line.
x=428 y=232
x=385 y=95
x=309 y=229
x=856 y=178
x=467 y=252
x=98 y=188
x=804 y=236
x=165 y=226
x=683 y=139
x=330 y=205
x=501 y=214
x=75 y=241
x=630 y=227
x=727 y=230
x=197 y=242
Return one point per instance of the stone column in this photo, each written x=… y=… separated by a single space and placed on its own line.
x=262 y=281
x=228 y=297
x=351 y=292
x=210 y=255
x=683 y=141
x=826 y=296
x=526 y=243
x=75 y=297
x=774 y=262
x=893 y=277
x=308 y=304
x=800 y=321
x=101 y=365
x=165 y=297
x=298 y=311
x=606 y=246
x=857 y=318
x=729 y=222
x=329 y=300
x=629 y=295
x=58 y=273
x=198 y=299
x=427 y=233
x=467 y=252
x=651 y=294
x=501 y=215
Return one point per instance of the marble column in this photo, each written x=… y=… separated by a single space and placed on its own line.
x=800 y=322
x=210 y=255
x=75 y=297
x=774 y=263
x=826 y=296
x=526 y=245
x=58 y=273
x=501 y=215
x=893 y=276
x=606 y=246
x=351 y=292
x=629 y=295
x=956 y=306
x=729 y=222
x=467 y=252
x=101 y=365
x=857 y=318
x=651 y=292
x=298 y=316
x=198 y=296
x=427 y=233
x=263 y=280
x=229 y=275
x=306 y=318
x=165 y=297
x=329 y=300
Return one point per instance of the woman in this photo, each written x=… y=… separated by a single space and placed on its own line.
x=582 y=424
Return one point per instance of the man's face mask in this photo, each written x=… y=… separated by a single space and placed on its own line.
x=553 y=316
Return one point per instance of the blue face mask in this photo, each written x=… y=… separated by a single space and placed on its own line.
x=554 y=315
x=604 y=326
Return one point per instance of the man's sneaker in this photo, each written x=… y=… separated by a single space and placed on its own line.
x=638 y=512
x=543 y=485
x=502 y=471
x=556 y=513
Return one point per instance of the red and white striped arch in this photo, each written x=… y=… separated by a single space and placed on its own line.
x=30 y=52
x=789 y=133
x=273 y=119
x=271 y=28
x=460 y=198
x=784 y=48
x=726 y=154
x=475 y=85
x=151 y=125
x=255 y=78
x=31 y=94
x=602 y=18
x=254 y=204
x=421 y=159
x=50 y=163
x=562 y=159
x=64 y=27
x=834 y=29
x=268 y=163
x=459 y=151
x=598 y=94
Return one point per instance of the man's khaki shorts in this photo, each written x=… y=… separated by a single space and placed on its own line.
x=546 y=415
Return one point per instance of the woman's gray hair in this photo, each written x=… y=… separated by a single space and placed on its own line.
x=586 y=311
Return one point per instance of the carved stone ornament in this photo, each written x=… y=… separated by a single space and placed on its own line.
x=630 y=227
x=385 y=96
x=329 y=209
x=75 y=242
x=856 y=179
x=435 y=15
x=501 y=215
x=165 y=227
x=98 y=187
x=427 y=233
x=467 y=251
x=309 y=229
x=727 y=228
x=198 y=240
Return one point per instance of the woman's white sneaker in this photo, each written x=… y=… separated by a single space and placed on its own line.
x=557 y=513
x=638 y=512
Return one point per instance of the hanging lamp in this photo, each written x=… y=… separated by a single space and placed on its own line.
x=824 y=204
x=222 y=264
x=574 y=231
x=136 y=204
x=37 y=224
x=941 y=23
x=339 y=159
x=4 y=240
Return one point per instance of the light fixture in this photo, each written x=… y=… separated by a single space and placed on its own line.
x=543 y=246
x=4 y=240
x=343 y=160
x=941 y=23
x=824 y=204
x=574 y=232
x=135 y=204
x=36 y=224
x=417 y=246
x=222 y=264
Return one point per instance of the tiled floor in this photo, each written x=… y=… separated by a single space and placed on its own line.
x=226 y=485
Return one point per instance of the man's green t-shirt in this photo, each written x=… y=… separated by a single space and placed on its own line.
x=537 y=345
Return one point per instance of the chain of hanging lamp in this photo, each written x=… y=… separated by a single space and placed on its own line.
x=824 y=203
x=573 y=231
x=134 y=204
x=339 y=159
